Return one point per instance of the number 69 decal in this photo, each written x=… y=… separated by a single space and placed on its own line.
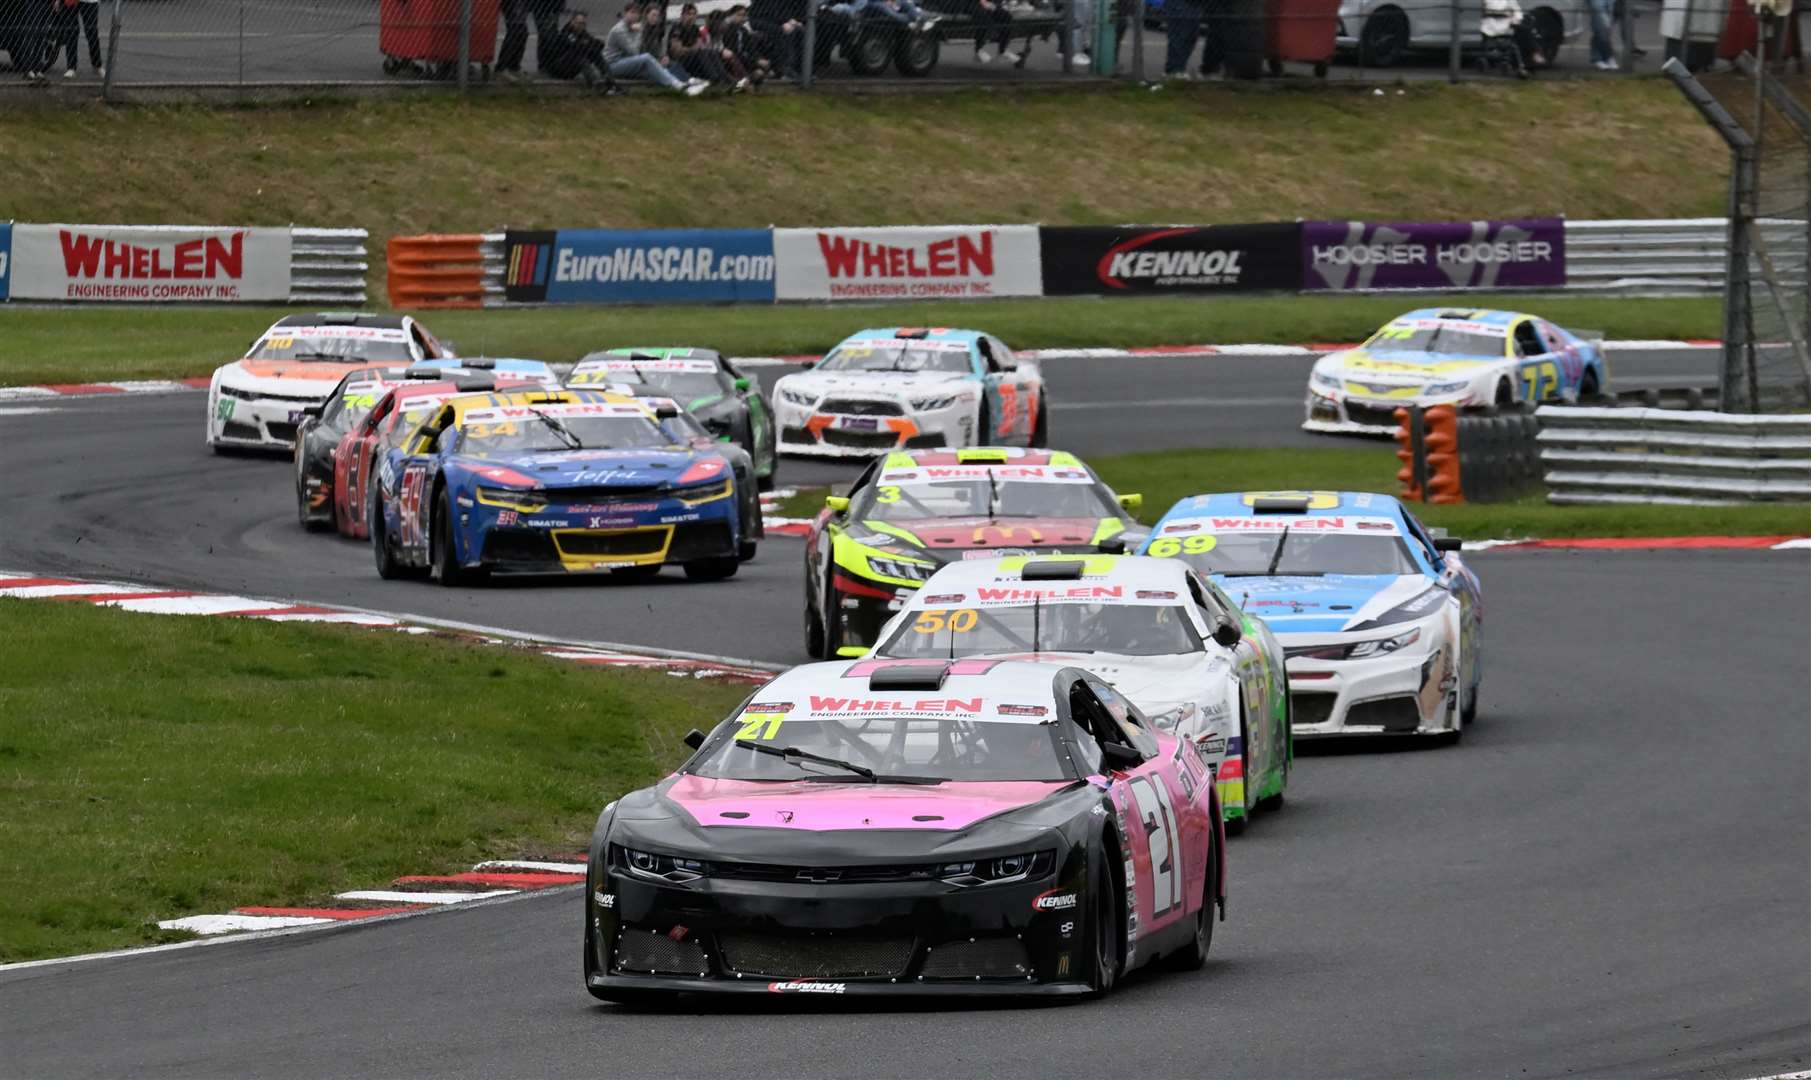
x=1158 y=815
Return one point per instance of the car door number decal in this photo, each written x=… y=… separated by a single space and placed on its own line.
x=1539 y=380
x=1158 y=815
x=408 y=502
x=1009 y=408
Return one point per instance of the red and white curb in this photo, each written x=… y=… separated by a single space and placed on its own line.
x=169 y=386
x=781 y=526
x=411 y=894
x=1648 y=543
x=153 y=600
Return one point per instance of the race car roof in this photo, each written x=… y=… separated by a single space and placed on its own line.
x=916 y=333
x=1274 y=504
x=479 y=402
x=1481 y=319
x=1019 y=579
x=989 y=456
x=343 y=318
x=661 y=352
x=1005 y=690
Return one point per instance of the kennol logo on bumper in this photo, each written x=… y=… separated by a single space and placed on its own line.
x=806 y=987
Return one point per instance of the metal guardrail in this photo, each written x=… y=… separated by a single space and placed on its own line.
x=1686 y=255
x=327 y=265
x=1683 y=457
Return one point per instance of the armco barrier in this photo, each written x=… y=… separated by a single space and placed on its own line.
x=327 y=266
x=447 y=271
x=1593 y=455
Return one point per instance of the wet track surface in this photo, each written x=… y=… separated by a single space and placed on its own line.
x=1607 y=877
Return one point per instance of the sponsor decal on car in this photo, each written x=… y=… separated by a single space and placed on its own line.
x=1054 y=901
x=806 y=986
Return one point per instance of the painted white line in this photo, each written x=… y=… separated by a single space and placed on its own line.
x=149 y=386
x=1173 y=403
x=192 y=605
x=30 y=592
x=227 y=924
x=530 y=866
x=1260 y=350
x=351 y=618
x=14 y=393
x=1805 y=1075
x=399 y=896
x=23 y=412
x=1802 y=542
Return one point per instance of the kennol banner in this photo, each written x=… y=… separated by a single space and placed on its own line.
x=943 y=262
x=149 y=263
x=1123 y=260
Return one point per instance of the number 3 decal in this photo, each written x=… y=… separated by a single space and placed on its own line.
x=1158 y=815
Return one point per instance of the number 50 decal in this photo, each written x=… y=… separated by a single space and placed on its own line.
x=1158 y=814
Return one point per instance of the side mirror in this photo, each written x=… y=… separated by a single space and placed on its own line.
x=743 y=383
x=1228 y=634
x=1113 y=545
x=428 y=435
x=1448 y=543
x=1131 y=502
x=694 y=738
x=313 y=411
x=1119 y=756
x=838 y=504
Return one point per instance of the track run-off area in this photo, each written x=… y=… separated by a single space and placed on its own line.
x=1607 y=877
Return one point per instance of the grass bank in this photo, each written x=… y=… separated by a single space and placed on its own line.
x=308 y=760
x=39 y=345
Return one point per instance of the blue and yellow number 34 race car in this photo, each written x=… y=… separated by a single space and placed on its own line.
x=546 y=481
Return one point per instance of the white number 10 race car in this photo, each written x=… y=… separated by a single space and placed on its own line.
x=903 y=389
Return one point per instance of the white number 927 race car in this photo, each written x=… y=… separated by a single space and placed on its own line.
x=901 y=388
x=1446 y=356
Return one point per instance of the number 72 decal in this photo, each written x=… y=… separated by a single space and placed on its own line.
x=1539 y=380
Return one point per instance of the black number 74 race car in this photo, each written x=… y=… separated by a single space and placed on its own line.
x=884 y=827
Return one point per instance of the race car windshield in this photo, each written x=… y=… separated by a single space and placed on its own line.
x=1437 y=339
x=1128 y=629
x=956 y=747
x=406 y=421
x=530 y=434
x=904 y=356
x=1250 y=554
x=978 y=498
x=684 y=385
x=359 y=350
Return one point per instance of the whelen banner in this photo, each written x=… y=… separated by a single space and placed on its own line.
x=917 y=263
x=644 y=266
x=149 y=263
x=1127 y=260
x=1516 y=253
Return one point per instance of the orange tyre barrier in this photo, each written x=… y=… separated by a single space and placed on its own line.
x=436 y=271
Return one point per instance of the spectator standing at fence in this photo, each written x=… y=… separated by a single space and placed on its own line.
x=89 y=11
x=1182 y=28
x=34 y=50
x=1603 y=53
x=625 y=58
x=575 y=53
x=516 y=13
x=65 y=35
x=993 y=23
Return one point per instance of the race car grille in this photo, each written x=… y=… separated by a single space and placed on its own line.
x=703 y=541
x=625 y=544
x=281 y=430
x=824 y=875
x=1311 y=708
x=983 y=958
x=1391 y=714
x=233 y=429
x=924 y=442
x=650 y=952
x=1371 y=414
x=796 y=435
x=861 y=440
x=814 y=957
x=252 y=395
x=519 y=546
x=852 y=407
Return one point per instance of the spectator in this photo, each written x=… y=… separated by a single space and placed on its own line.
x=1603 y=54
x=1503 y=18
x=690 y=49
x=781 y=26
x=574 y=53
x=34 y=51
x=1182 y=28
x=759 y=52
x=64 y=35
x=717 y=33
x=516 y=13
x=992 y=20
x=625 y=57
x=90 y=14
x=1083 y=44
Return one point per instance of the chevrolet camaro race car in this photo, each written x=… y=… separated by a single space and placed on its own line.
x=900 y=388
x=545 y=481
x=322 y=427
x=535 y=371
x=1443 y=356
x=728 y=402
x=1154 y=629
x=685 y=429
x=257 y=402
x=910 y=512
x=1380 y=620
x=958 y=828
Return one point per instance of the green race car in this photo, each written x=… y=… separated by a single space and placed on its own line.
x=728 y=403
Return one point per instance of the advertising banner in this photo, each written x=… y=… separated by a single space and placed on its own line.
x=945 y=262
x=1509 y=254
x=1128 y=260
x=6 y=256
x=149 y=263
x=643 y=266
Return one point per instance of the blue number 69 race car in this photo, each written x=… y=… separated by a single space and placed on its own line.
x=545 y=481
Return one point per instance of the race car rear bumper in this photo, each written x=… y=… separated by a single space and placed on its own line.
x=1396 y=694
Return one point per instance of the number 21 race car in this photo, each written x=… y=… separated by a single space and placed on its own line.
x=960 y=828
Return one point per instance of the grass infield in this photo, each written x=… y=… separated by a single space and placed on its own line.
x=155 y=767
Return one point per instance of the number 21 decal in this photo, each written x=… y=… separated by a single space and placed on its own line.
x=1158 y=815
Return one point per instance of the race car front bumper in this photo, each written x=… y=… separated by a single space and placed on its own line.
x=1347 y=416
x=897 y=938
x=808 y=431
x=1400 y=693
x=255 y=421
x=594 y=538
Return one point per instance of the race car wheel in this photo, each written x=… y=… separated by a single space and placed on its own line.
x=1109 y=944
x=1236 y=826
x=814 y=634
x=445 y=568
x=1505 y=395
x=713 y=569
x=1385 y=37
x=1191 y=956
x=745 y=551
x=387 y=566
x=1040 y=432
x=1587 y=387
x=764 y=483
x=984 y=425
x=1275 y=802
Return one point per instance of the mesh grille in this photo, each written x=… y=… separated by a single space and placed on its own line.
x=699 y=542
x=281 y=430
x=640 y=542
x=814 y=957
x=852 y=407
x=824 y=875
x=233 y=429
x=1392 y=714
x=1367 y=414
x=519 y=545
x=867 y=440
x=650 y=953
x=1311 y=708
x=987 y=958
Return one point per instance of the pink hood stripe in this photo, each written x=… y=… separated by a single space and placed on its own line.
x=816 y=806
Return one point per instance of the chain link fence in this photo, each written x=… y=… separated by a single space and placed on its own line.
x=466 y=43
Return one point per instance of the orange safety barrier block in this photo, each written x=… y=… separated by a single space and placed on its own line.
x=437 y=271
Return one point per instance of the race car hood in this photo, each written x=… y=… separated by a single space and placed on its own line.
x=1298 y=605
x=640 y=468
x=817 y=383
x=286 y=377
x=1148 y=680
x=817 y=806
x=990 y=534
x=1402 y=366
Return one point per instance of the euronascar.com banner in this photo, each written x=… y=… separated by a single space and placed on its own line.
x=6 y=256
x=1126 y=260
x=149 y=263
x=645 y=266
x=1516 y=253
x=944 y=262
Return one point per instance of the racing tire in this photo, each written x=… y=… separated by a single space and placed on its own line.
x=764 y=483
x=1588 y=390
x=1505 y=396
x=1106 y=932
x=387 y=566
x=745 y=551
x=1193 y=956
x=1385 y=38
x=443 y=568
x=869 y=52
x=814 y=634
x=984 y=425
x=1270 y=803
x=1040 y=431
x=717 y=569
x=918 y=55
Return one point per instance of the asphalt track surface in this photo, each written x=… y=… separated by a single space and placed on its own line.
x=1607 y=877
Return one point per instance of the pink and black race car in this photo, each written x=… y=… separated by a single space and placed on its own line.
x=885 y=827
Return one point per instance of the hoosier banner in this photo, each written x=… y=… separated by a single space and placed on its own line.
x=944 y=262
x=1434 y=254
x=149 y=263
